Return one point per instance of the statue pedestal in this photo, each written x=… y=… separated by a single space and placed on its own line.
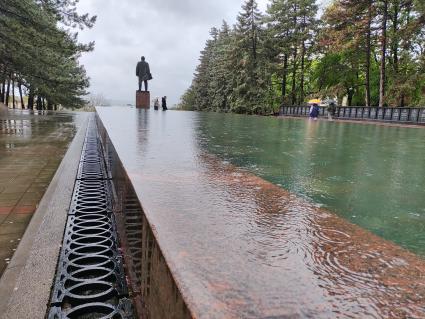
x=143 y=100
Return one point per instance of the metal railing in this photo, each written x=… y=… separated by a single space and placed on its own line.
x=412 y=115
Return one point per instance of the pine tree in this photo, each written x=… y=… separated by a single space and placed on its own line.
x=249 y=86
x=42 y=56
x=204 y=75
x=221 y=83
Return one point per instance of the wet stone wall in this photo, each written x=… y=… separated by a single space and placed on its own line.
x=151 y=285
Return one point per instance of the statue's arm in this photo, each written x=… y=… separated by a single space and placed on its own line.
x=149 y=70
x=137 y=69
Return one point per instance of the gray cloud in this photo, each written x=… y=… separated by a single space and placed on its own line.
x=170 y=33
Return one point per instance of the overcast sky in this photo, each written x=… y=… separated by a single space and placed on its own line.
x=170 y=33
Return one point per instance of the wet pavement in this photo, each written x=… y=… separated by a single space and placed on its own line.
x=240 y=246
x=31 y=148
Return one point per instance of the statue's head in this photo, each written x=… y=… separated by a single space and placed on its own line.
x=143 y=58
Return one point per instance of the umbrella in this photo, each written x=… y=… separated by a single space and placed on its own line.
x=314 y=101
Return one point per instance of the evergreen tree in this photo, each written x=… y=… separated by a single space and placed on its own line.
x=367 y=52
x=39 y=54
x=203 y=74
x=247 y=95
x=221 y=82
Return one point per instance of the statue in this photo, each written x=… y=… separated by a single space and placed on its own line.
x=144 y=73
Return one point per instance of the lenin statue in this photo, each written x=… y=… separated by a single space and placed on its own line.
x=144 y=73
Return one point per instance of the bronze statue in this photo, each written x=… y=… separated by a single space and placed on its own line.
x=144 y=73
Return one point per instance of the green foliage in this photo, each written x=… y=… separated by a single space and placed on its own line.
x=39 y=51
x=287 y=56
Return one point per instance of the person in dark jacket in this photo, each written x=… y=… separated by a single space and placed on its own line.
x=314 y=111
x=143 y=72
x=164 y=103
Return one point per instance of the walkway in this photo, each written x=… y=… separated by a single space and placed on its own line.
x=31 y=149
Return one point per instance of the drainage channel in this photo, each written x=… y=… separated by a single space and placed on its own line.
x=90 y=281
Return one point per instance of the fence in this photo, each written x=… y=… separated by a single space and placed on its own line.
x=390 y=114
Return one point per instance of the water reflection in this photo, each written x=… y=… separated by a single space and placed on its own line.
x=239 y=246
x=32 y=145
x=370 y=174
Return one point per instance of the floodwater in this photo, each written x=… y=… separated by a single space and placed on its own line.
x=32 y=145
x=241 y=246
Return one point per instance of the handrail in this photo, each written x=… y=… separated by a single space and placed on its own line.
x=391 y=114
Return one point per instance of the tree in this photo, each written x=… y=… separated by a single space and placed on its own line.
x=249 y=85
x=43 y=55
x=371 y=52
x=382 y=79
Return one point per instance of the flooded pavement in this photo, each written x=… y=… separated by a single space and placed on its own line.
x=239 y=246
x=31 y=148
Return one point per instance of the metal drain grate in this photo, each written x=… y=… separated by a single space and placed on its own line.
x=90 y=280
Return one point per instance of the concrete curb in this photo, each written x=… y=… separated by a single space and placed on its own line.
x=26 y=283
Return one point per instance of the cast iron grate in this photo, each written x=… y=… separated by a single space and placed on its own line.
x=90 y=280
x=92 y=165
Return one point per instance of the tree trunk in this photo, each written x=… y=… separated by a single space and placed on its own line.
x=3 y=91
x=31 y=99
x=284 y=76
x=13 y=93
x=7 y=92
x=368 y=51
x=382 y=77
x=20 y=95
x=294 y=74
x=3 y=85
x=395 y=42
x=301 y=101
x=295 y=53
x=350 y=94
x=39 y=105
x=254 y=36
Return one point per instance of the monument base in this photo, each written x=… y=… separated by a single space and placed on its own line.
x=143 y=99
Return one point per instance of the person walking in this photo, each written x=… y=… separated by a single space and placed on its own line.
x=156 y=104
x=331 y=110
x=143 y=72
x=314 y=111
x=164 y=103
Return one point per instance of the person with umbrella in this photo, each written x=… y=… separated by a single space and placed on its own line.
x=314 y=108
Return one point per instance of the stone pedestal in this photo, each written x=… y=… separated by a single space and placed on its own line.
x=143 y=99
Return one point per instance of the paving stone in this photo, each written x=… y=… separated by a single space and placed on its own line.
x=24 y=209
x=27 y=165
x=5 y=210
